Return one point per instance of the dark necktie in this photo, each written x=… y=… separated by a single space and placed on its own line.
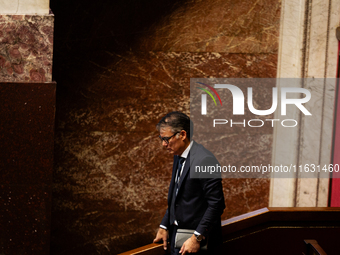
x=175 y=190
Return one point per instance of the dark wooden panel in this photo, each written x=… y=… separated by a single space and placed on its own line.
x=27 y=112
x=276 y=231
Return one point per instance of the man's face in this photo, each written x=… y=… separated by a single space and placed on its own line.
x=176 y=144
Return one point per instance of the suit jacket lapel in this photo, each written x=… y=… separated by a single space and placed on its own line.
x=187 y=165
x=172 y=183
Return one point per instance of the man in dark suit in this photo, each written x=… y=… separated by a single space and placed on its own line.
x=193 y=203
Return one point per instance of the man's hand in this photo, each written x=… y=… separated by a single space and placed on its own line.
x=162 y=234
x=190 y=246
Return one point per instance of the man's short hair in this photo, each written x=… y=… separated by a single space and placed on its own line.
x=177 y=121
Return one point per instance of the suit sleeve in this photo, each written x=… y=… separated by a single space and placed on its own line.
x=165 y=220
x=213 y=194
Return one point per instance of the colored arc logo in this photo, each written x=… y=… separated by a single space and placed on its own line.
x=208 y=86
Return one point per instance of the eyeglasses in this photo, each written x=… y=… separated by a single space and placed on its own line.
x=166 y=139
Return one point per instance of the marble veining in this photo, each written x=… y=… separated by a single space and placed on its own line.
x=98 y=142
x=218 y=26
x=26 y=48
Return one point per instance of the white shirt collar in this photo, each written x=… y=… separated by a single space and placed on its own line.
x=186 y=151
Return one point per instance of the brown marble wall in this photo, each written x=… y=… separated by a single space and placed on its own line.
x=120 y=67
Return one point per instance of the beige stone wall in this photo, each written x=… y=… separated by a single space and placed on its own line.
x=22 y=7
x=311 y=53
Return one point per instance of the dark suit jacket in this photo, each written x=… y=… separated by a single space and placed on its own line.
x=199 y=202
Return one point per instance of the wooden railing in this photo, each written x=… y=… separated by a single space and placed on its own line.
x=313 y=248
x=150 y=249
x=274 y=231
